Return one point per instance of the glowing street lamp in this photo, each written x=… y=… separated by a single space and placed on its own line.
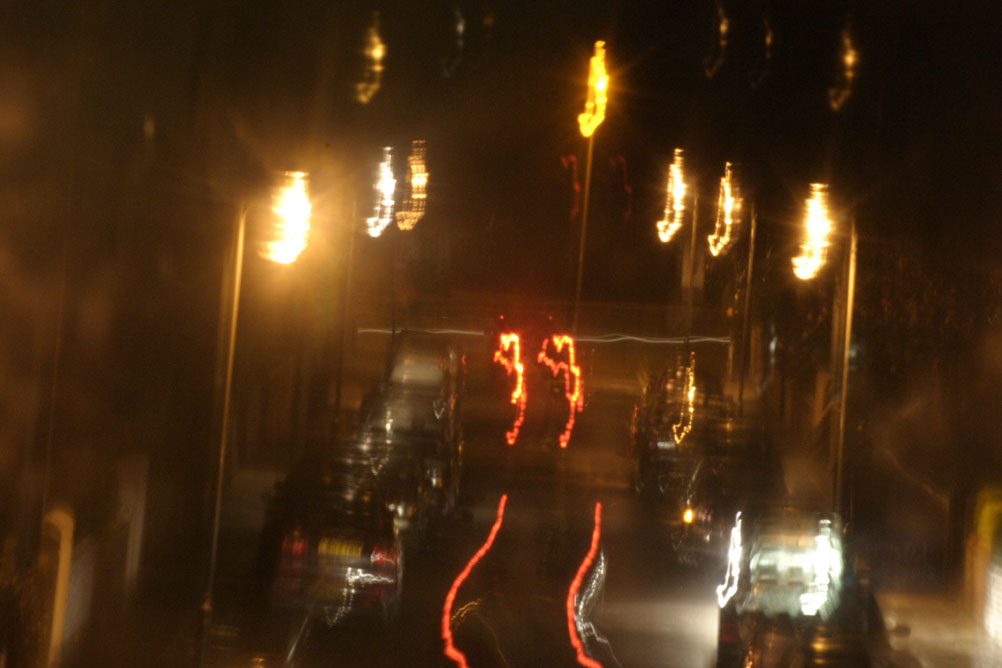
x=728 y=207
x=817 y=227
x=674 y=200
x=598 y=87
x=417 y=173
x=374 y=52
x=385 y=187
x=588 y=122
x=292 y=209
x=291 y=228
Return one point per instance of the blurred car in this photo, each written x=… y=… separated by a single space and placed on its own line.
x=329 y=547
x=725 y=479
x=670 y=426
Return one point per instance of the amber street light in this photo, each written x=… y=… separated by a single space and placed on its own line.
x=289 y=236
x=588 y=121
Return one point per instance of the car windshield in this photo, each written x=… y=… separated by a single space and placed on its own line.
x=483 y=333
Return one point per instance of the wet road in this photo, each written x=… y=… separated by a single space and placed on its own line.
x=512 y=608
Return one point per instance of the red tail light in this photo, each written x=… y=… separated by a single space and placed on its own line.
x=384 y=556
x=294 y=545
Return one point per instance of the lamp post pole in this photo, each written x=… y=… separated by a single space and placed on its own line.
x=844 y=386
x=584 y=230
x=207 y=601
x=746 y=312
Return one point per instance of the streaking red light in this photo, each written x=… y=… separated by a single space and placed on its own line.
x=513 y=365
x=572 y=378
x=572 y=630
x=450 y=649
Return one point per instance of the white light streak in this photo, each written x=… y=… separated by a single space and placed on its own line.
x=417 y=177
x=385 y=187
x=674 y=200
x=817 y=227
x=291 y=229
x=726 y=591
x=728 y=205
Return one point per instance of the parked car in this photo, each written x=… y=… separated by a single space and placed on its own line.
x=329 y=548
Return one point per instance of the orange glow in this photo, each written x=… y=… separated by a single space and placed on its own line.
x=596 y=534
x=728 y=206
x=598 y=87
x=292 y=210
x=839 y=93
x=414 y=205
x=450 y=649
x=684 y=426
x=817 y=227
x=374 y=52
x=674 y=200
x=687 y=516
x=572 y=378
x=513 y=364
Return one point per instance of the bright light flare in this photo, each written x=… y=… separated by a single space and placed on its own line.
x=513 y=365
x=385 y=187
x=839 y=93
x=572 y=378
x=684 y=425
x=728 y=206
x=726 y=591
x=374 y=52
x=572 y=617
x=291 y=230
x=598 y=97
x=450 y=649
x=687 y=516
x=817 y=227
x=674 y=200
x=417 y=176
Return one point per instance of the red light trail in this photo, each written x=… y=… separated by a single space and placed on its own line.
x=572 y=378
x=510 y=342
x=450 y=649
x=596 y=534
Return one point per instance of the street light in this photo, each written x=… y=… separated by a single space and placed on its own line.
x=728 y=207
x=417 y=175
x=817 y=227
x=674 y=200
x=292 y=208
x=588 y=122
x=385 y=186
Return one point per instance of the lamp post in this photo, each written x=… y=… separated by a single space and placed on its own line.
x=290 y=236
x=588 y=122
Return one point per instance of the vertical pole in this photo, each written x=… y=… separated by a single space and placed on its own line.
x=746 y=312
x=847 y=339
x=206 y=610
x=690 y=277
x=584 y=230
x=345 y=298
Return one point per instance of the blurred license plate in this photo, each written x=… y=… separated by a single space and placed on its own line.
x=339 y=547
x=666 y=445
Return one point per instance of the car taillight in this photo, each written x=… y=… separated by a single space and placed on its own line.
x=294 y=547
x=384 y=556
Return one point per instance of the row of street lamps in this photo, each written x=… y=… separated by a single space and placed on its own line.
x=817 y=231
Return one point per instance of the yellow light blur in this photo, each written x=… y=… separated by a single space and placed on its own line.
x=687 y=516
x=728 y=204
x=291 y=229
x=711 y=65
x=684 y=426
x=674 y=200
x=414 y=205
x=598 y=86
x=817 y=227
x=374 y=52
x=839 y=93
x=385 y=187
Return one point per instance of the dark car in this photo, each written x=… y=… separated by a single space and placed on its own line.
x=673 y=420
x=329 y=547
x=725 y=479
